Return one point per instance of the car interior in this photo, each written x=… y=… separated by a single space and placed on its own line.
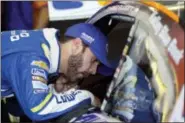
x=117 y=30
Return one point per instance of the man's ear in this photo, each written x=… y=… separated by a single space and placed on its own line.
x=77 y=46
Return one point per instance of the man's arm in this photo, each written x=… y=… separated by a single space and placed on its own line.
x=30 y=86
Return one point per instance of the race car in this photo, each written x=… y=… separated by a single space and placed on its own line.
x=148 y=84
x=152 y=37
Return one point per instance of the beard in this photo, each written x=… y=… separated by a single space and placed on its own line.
x=74 y=62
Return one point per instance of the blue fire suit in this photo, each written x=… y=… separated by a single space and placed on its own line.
x=28 y=57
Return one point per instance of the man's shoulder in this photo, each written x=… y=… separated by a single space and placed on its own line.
x=50 y=33
x=32 y=59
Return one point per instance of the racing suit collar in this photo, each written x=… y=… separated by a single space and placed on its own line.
x=50 y=35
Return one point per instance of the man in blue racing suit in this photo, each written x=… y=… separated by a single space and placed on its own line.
x=30 y=56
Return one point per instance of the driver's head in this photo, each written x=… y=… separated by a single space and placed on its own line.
x=86 y=48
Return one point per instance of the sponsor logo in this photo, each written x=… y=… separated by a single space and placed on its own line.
x=40 y=64
x=176 y=53
x=38 y=72
x=62 y=5
x=169 y=42
x=38 y=78
x=39 y=85
x=86 y=37
x=37 y=91
x=67 y=97
x=46 y=50
x=127 y=9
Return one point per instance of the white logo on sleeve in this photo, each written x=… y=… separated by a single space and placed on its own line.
x=39 y=87
x=38 y=72
x=87 y=37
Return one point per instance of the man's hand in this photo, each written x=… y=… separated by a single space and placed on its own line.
x=63 y=85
